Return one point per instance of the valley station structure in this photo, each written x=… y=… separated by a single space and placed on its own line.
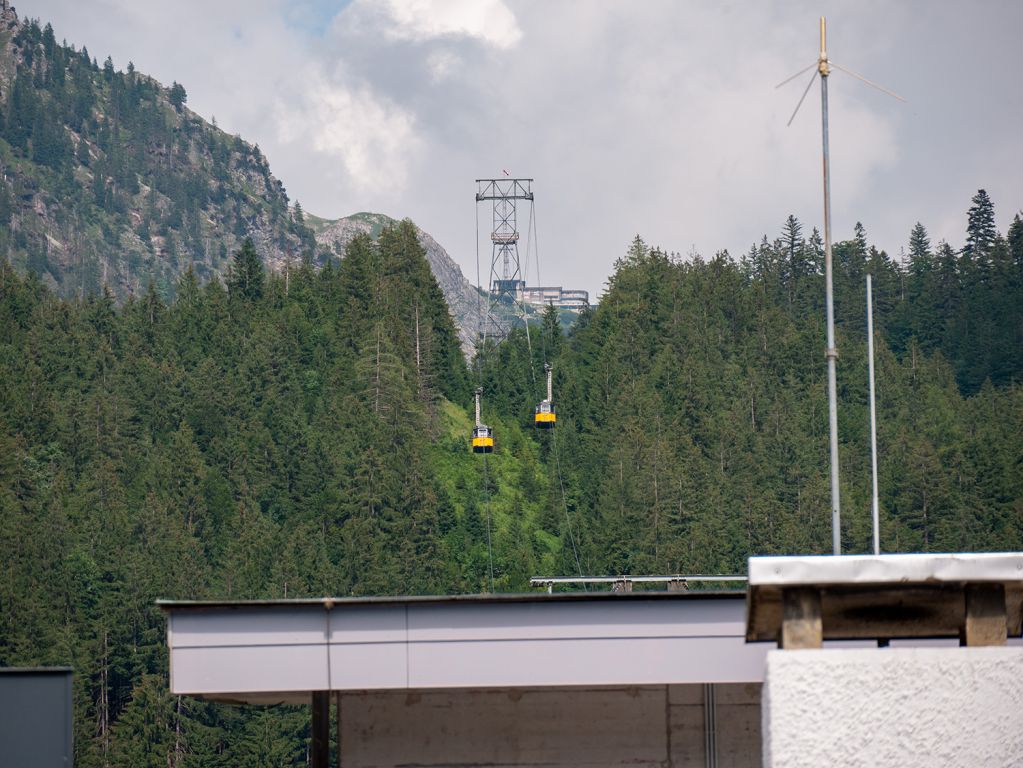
x=566 y=678
x=595 y=678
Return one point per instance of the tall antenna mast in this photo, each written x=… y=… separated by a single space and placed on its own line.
x=831 y=352
x=823 y=68
x=874 y=514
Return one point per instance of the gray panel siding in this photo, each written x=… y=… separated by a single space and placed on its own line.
x=565 y=620
x=584 y=661
x=35 y=718
x=226 y=652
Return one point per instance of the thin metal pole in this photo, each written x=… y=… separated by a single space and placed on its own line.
x=873 y=416
x=831 y=352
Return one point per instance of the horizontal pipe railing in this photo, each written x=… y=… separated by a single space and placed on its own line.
x=627 y=581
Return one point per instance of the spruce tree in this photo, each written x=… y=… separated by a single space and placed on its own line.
x=246 y=277
x=1014 y=238
x=919 y=243
x=177 y=95
x=980 y=227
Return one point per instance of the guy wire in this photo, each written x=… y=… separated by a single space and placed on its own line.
x=480 y=345
x=564 y=504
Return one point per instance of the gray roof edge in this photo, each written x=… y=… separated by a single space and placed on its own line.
x=498 y=599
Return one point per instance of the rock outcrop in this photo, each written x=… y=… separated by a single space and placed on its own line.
x=463 y=298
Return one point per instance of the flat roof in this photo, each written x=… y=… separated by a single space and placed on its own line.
x=477 y=599
x=272 y=651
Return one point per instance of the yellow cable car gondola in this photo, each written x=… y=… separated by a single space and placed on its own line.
x=546 y=417
x=482 y=435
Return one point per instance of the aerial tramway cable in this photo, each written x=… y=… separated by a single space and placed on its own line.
x=479 y=305
x=483 y=438
x=554 y=435
x=480 y=346
x=564 y=504
x=486 y=496
x=522 y=301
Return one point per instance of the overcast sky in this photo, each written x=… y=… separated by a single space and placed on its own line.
x=652 y=118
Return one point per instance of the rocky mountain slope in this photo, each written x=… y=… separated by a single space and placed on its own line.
x=106 y=177
x=462 y=296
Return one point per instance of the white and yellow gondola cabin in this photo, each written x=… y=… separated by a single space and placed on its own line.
x=546 y=416
x=482 y=435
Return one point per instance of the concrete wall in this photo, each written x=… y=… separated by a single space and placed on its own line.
x=900 y=707
x=635 y=726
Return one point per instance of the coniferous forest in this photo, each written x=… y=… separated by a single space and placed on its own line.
x=307 y=435
x=109 y=180
x=237 y=432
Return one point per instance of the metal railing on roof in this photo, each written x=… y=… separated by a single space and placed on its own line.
x=675 y=582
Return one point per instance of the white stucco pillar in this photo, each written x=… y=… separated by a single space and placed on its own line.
x=898 y=707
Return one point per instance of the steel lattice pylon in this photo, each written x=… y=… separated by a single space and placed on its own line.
x=506 y=283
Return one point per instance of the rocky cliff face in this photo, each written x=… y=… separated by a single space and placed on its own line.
x=462 y=296
x=107 y=178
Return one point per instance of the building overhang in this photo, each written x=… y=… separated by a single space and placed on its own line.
x=266 y=652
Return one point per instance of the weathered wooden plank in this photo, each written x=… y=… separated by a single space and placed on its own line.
x=868 y=612
x=801 y=625
x=1014 y=608
x=763 y=614
x=986 y=622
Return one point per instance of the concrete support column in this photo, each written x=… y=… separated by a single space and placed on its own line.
x=319 y=752
x=337 y=707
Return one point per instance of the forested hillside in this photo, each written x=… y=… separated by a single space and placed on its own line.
x=307 y=435
x=109 y=179
x=260 y=438
x=693 y=414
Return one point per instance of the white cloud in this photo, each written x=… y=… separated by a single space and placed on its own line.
x=370 y=137
x=658 y=118
x=417 y=20
x=442 y=63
